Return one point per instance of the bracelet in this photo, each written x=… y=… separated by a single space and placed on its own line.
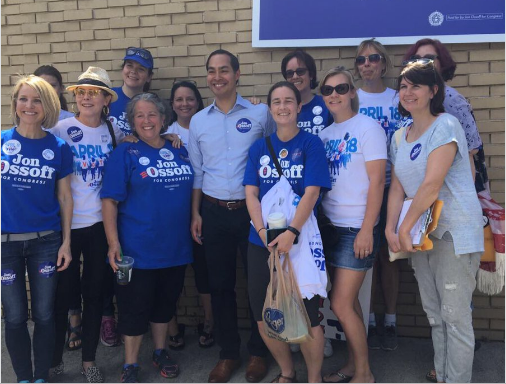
x=295 y=231
x=260 y=230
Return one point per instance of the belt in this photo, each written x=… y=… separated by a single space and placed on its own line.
x=229 y=204
x=24 y=236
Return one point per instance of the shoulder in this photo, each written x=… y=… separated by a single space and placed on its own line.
x=7 y=134
x=364 y=122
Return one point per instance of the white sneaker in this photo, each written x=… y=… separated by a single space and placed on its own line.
x=327 y=349
x=295 y=348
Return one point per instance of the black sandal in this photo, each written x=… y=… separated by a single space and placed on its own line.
x=77 y=331
x=208 y=337
x=289 y=379
x=177 y=340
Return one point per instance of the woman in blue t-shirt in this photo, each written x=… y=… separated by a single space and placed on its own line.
x=303 y=161
x=36 y=216
x=146 y=208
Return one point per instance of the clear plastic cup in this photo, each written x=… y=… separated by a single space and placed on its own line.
x=124 y=272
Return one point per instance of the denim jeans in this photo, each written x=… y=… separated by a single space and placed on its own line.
x=38 y=257
x=446 y=285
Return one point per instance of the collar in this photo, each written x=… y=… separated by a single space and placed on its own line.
x=239 y=101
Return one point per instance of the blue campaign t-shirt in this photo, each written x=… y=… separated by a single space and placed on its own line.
x=117 y=111
x=153 y=187
x=314 y=116
x=303 y=162
x=30 y=171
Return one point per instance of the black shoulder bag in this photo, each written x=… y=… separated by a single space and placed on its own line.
x=111 y=132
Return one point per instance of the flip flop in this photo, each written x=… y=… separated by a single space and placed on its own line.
x=208 y=337
x=344 y=378
x=289 y=379
x=77 y=331
x=176 y=343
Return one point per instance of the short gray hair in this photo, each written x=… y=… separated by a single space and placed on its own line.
x=151 y=98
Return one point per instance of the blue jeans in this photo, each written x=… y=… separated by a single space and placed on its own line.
x=38 y=257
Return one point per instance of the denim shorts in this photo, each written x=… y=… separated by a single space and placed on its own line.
x=343 y=255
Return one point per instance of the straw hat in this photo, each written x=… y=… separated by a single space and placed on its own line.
x=97 y=78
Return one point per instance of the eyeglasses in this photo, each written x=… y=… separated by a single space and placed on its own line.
x=341 y=89
x=374 y=58
x=428 y=56
x=298 y=71
x=176 y=82
x=421 y=60
x=92 y=93
x=133 y=51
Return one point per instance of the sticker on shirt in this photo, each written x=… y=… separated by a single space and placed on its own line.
x=243 y=125
x=47 y=269
x=143 y=161
x=48 y=154
x=8 y=277
x=104 y=138
x=317 y=120
x=264 y=160
x=296 y=154
x=11 y=147
x=317 y=110
x=75 y=134
x=166 y=154
x=415 y=151
x=283 y=153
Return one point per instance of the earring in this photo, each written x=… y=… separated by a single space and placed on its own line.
x=105 y=110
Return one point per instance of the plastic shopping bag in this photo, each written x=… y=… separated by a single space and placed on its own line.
x=284 y=314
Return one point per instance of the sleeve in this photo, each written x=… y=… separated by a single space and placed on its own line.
x=67 y=163
x=270 y=125
x=446 y=130
x=374 y=142
x=393 y=151
x=316 y=169
x=457 y=105
x=117 y=174
x=196 y=158
x=251 y=172
x=118 y=133
x=54 y=131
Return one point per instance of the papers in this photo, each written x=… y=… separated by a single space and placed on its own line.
x=419 y=230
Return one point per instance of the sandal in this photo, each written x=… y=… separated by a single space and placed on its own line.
x=289 y=379
x=343 y=378
x=176 y=343
x=77 y=331
x=431 y=376
x=206 y=339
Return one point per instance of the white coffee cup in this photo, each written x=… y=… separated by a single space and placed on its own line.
x=276 y=220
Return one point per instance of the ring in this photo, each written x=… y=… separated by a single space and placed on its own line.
x=366 y=251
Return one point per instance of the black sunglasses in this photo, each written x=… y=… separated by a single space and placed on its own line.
x=428 y=56
x=341 y=89
x=374 y=58
x=133 y=51
x=298 y=71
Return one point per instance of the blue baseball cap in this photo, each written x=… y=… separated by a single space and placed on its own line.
x=140 y=55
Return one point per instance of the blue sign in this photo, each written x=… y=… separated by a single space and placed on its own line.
x=299 y=23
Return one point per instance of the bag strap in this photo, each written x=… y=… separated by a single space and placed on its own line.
x=398 y=135
x=273 y=155
x=111 y=132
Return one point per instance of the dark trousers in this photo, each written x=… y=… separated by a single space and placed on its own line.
x=224 y=233
x=92 y=243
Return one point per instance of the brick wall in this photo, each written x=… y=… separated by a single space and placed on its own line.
x=74 y=34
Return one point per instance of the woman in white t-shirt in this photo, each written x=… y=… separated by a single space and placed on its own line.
x=356 y=151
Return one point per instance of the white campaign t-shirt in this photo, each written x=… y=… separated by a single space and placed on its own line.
x=349 y=145
x=183 y=133
x=91 y=148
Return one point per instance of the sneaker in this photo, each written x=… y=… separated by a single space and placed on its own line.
x=93 y=374
x=58 y=370
x=389 y=339
x=130 y=374
x=295 y=348
x=168 y=367
x=40 y=381
x=327 y=349
x=373 y=339
x=108 y=334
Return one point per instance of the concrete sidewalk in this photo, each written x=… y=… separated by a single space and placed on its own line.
x=408 y=364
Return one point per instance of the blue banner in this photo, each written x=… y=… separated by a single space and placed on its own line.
x=293 y=23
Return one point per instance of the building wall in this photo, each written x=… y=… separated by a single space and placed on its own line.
x=74 y=34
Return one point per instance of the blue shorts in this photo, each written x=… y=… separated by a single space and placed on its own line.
x=343 y=255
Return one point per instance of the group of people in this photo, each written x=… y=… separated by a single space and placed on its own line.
x=186 y=187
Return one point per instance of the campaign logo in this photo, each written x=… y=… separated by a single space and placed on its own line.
x=48 y=154
x=47 y=269
x=104 y=138
x=317 y=120
x=275 y=320
x=436 y=18
x=415 y=151
x=264 y=160
x=143 y=161
x=317 y=110
x=8 y=277
x=283 y=153
x=243 y=125
x=75 y=134
x=296 y=154
x=133 y=151
x=296 y=200
x=11 y=147
x=166 y=154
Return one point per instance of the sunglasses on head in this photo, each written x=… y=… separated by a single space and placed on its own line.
x=176 y=82
x=374 y=58
x=341 y=89
x=428 y=56
x=421 y=60
x=298 y=71
x=90 y=92
x=133 y=51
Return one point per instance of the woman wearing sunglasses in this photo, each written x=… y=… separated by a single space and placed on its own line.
x=356 y=154
x=91 y=140
x=380 y=102
x=430 y=161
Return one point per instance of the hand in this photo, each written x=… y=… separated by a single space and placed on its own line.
x=130 y=139
x=405 y=241
x=393 y=241
x=64 y=257
x=283 y=241
x=255 y=100
x=114 y=254
x=196 y=228
x=363 y=244
x=174 y=139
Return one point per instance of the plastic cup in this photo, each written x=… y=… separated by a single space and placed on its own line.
x=124 y=272
x=276 y=220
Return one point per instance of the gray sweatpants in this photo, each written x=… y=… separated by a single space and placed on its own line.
x=446 y=285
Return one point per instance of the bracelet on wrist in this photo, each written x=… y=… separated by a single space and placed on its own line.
x=260 y=230
x=295 y=231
